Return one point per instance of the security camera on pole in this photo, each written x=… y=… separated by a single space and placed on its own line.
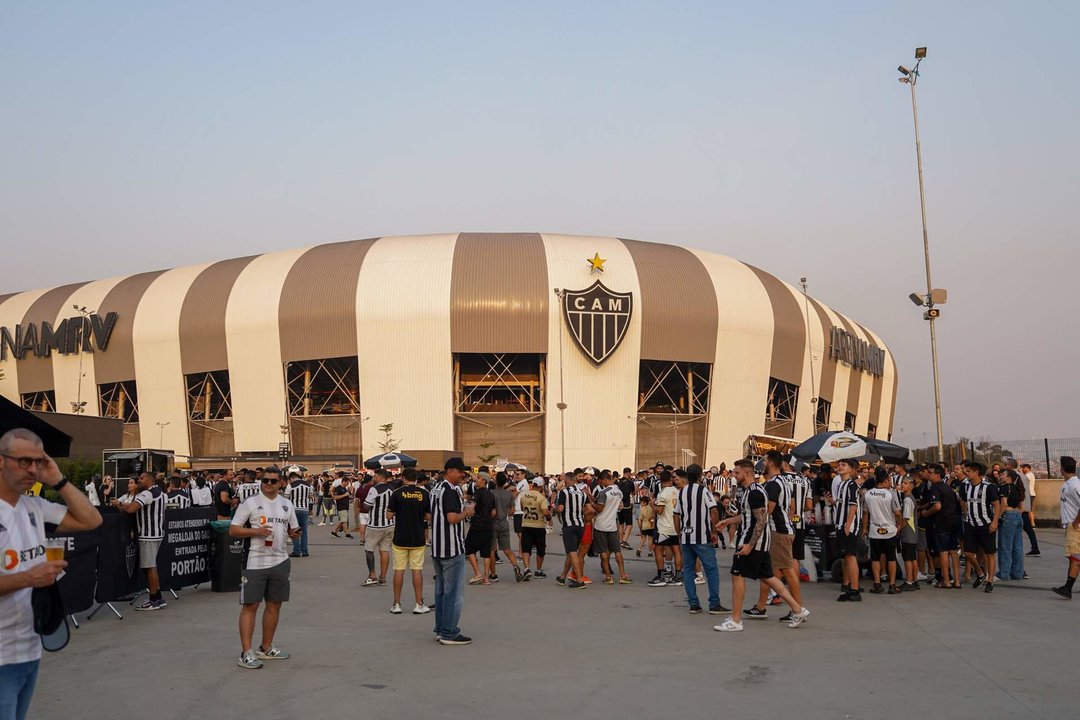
x=933 y=297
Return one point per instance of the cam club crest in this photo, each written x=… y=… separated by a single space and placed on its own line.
x=597 y=319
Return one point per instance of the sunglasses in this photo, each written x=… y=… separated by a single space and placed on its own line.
x=26 y=462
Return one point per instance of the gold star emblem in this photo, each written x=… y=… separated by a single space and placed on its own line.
x=596 y=262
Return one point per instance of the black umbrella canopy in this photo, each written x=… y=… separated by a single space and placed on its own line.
x=57 y=444
x=390 y=460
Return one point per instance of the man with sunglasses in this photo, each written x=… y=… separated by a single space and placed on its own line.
x=269 y=520
x=22 y=557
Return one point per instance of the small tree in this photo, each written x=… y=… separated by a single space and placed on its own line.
x=487 y=459
x=389 y=443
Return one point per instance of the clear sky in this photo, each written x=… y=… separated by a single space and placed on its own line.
x=139 y=136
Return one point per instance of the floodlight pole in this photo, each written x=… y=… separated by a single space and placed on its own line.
x=559 y=293
x=911 y=81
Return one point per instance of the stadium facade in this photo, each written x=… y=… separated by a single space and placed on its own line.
x=540 y=348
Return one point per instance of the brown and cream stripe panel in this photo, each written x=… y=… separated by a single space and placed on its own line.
x=36 y=374
x=677 y=303
x=403 y=325
x=159 y=373
x=812 y=349
x=12 y=312
x=829 y=367
x=499 y=294
x=202 y=317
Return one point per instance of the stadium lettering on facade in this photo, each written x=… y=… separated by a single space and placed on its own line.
x=69 y=336
x=854 y=352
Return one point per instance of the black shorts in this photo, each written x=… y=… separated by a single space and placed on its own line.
x=755 y=566
x=979 y=537
x=667 y=540
x=478 y=541
x=946 y=539
x=533 y=539
x=909 y=551
x=886 y=547
x=649 y=533
x=571 y=537
x=798 y=544
x=626 y=517
x=517 y=523
x=931 y=540
x=849 y=544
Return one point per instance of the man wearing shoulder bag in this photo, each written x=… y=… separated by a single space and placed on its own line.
x=23 y=462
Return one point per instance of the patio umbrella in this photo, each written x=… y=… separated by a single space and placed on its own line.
x=836 y=445
x=390 y=460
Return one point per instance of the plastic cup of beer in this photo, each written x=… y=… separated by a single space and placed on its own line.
x=269 y=538
x=54 y=549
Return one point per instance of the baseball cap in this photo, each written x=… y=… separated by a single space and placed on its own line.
x=455 y=463
x=589 y=471
x=538 y=481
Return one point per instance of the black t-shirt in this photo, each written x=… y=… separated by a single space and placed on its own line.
x=409 y=503
x=942 y=493
x=627 y=488
x=485 y=503
x=223 y=508
x=342 y=496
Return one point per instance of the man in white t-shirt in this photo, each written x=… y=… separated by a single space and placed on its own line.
x=521 y=486
x=269 y=520
x=607 y=502
x=22 y=557
x=1070 y=520
x=667 y=539
x=883 y=517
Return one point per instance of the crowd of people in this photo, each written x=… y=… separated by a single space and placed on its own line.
x=892 y=525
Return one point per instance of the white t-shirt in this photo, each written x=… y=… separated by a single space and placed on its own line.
x=280 y=516
x=881 y=504
x=607 y=520
x=665 y=510
x=1029 y=483
x=22 y=546
x=1070 y=500
x=201 y=495
x=522 y=488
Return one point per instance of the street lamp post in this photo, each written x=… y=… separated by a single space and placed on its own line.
x=79 y=407
x=562 y=399
x=161 y=434
x=933 y=297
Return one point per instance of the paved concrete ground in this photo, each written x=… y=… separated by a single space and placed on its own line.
x=544 y=651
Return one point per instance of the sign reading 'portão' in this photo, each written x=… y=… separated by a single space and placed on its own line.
x=71 y=335
x=854 y=352
x=597 y=319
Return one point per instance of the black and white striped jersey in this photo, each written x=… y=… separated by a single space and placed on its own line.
x=150 y=517
x=754 y=498
x=378 y=501
x=801 y=491
x=573 y=501
x=693 y=505
x=980 y=501
x=447 y=539
x=248 y=489
x=776 y=488
x=178 y=499
x=299 y=494
x=848 y=504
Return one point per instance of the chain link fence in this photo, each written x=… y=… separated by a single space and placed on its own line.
x=1041 y=453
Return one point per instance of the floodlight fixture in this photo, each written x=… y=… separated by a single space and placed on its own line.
x=903 y=70
x=939 y=296
x=920 y=53
x=917 y=299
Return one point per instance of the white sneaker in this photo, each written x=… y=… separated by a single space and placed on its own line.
x=249 y=661
x=321 y=524
x=420 y=609
x=395 y=608
x=272 y=654
x=798 y=618
x=728 y=625
x=921 y=577
x=699 y=579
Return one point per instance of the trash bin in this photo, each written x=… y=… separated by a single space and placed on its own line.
x=226 y=558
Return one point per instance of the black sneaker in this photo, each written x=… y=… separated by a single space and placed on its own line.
x=493 y=578
x=787 y=618
x=540 y=574
x=979 y=580
x=558 y=578
x=657 y=581
x=989 y=587
x=527 y=575
x=718 y=610
x=1062 y=591
x=334 y=533
x=1034 y=553
x=575 y=585
x=518 y=576
x=755 y=614
x=845 y=589
x=349 y=535
x=877 y=589
x=458 y=640
x=907 y=587
x=893 y=590
x=1026 y=577
x=916 y=586
x=695 y=609
x=855 y=596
